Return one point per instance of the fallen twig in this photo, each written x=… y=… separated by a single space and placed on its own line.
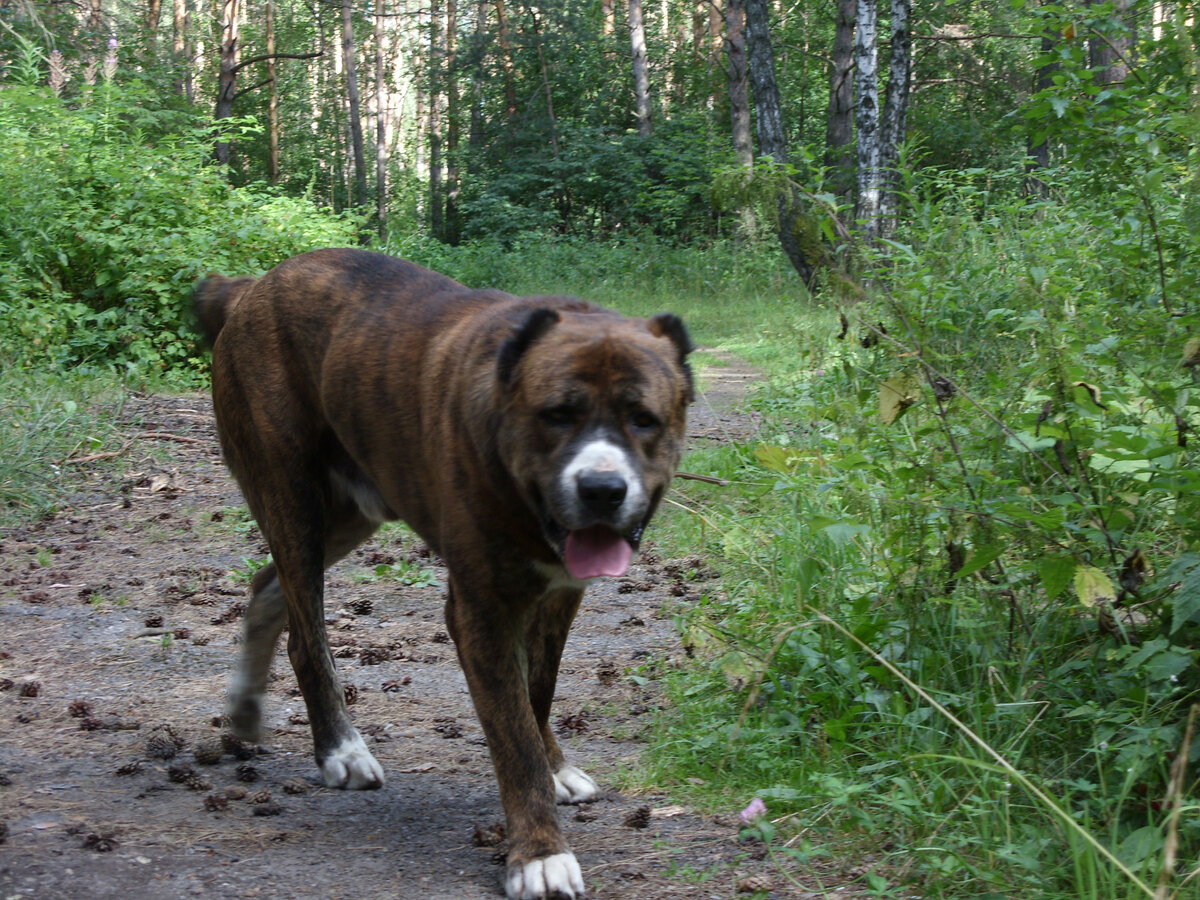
x=707 y=479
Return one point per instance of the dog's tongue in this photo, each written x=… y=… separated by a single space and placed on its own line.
x=595 y=551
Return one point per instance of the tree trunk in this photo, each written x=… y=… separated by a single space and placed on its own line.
x=227 y=77
x=641 y=74
x=181 y=50
x=475 y=135
x=839 y=125
x=739 y=88
x=95 y=22
x=772 y=140
x=381 y=120
x=349 y=60
x=437 y=224
x=545 y=70
x=272 y=98
x=895 y=116
x=506 y=54
x=153 y=19
x=866 y=59
x=1039 y=153
x=452 y=224
x=1109 y=52
x=716 y=45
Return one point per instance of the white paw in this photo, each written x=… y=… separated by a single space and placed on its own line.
x=351 y=766
x=553 y=876
x=572 y=785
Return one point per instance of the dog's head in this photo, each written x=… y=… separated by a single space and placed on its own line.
x=595 y=412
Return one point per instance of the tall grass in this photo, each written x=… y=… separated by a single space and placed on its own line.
x=49 y=422
x=959 y=632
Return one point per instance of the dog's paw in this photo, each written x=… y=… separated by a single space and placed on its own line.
x=552 y=876
x=352 y=767
x=245 y=716
x=572 y=785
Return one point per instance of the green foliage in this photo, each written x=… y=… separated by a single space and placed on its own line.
x=639 y=276
x=602 y=181
x=990 y=481
x=1130 y=147
x=402 y=572
x=107 y=227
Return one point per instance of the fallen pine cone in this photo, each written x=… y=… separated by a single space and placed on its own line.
x=755 y=883
x=488 y=837
x=639 y=818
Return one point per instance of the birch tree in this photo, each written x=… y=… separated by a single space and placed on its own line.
x=866 y=63
x=895 y=115
x=641 y=72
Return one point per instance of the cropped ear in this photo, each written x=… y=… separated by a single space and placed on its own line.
x=536 y=324
x=671 y=327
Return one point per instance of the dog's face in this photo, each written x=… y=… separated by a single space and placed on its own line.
x=594 y=422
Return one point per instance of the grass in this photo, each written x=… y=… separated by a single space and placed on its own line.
x=48 y=422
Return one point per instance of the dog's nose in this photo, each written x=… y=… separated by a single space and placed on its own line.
x=601 y=493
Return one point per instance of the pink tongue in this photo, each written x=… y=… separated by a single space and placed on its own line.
x=595 y=551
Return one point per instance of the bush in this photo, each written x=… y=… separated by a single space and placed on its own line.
x=107 y=228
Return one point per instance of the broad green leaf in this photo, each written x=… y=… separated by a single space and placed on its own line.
x=1092 y=585
x=895 y=396
x=1185 y=600
x=979 y=558
x=1055 y=572
x=777 y=459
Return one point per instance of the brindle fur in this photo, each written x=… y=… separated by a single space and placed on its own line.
x=352 y=388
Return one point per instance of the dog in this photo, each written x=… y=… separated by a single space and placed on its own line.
x=528 y=441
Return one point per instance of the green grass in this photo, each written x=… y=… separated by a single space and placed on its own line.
x=49 y=424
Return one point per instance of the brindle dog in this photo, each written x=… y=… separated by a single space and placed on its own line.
x=528 y=441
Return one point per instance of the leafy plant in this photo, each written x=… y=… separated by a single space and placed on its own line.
x=111 y=214
x=964 y=607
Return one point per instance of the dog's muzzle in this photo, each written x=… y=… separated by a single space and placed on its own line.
x=598 y=511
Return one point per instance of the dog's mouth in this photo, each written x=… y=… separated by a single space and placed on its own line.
x=595 y=551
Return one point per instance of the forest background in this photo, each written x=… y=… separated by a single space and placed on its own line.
x=958 y=625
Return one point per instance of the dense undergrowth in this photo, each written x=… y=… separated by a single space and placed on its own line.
x=959 y=621
x=961 y=612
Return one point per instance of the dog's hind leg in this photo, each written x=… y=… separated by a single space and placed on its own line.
x=264 y=620
x=543 y=646
x=341 y=754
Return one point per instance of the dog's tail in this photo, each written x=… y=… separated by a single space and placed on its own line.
x=213 y=298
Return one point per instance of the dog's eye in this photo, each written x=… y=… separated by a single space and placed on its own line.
x=560 y=416
x=644 y=420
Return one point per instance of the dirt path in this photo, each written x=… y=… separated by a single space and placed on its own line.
x=118 y=625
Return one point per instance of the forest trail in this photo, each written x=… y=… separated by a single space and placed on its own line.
x=118 y=624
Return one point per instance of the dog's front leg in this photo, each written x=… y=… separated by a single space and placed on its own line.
x=490 y=639
x=544 y=640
